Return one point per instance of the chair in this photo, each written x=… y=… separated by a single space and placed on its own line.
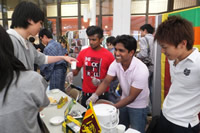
x=74 y=93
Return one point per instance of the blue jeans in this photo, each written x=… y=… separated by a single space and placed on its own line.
x=134 y=117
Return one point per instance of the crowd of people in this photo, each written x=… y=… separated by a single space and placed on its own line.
x=23 y=91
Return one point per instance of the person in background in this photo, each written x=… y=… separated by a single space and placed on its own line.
x=132 y=74
x=109 y=43
x=32 y=40
x=113 y=96
x=27 y=20
x=64 y=44
x=146 y=54
x=41 y=47
x=21 y=99
x=181 y=106
x=95 y=61
x=54 y=72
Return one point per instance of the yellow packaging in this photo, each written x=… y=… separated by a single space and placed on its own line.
x=62 y=102
x=71 y=119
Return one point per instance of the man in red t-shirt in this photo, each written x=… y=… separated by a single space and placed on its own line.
x=95 y=61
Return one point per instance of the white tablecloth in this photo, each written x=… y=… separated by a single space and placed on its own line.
x=52 y=111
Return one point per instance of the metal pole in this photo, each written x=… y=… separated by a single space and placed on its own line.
x=79 y=14
x=147 y=11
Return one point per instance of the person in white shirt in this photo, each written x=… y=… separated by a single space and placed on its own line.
x=182 y=104
x=133 y=75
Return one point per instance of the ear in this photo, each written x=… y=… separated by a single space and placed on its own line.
x=101 y=40
x=132 y=52
x=145 y=30
x=183 y=44
x=30 y=21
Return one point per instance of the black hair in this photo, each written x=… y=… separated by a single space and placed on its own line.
x=45 y=32
x=128 y=41
x=25 y=11
x=92 y=30
x=110 y=39
x=9 y=63
x=150 y=29
x=31 y=39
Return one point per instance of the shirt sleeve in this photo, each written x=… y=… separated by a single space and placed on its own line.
x=38 y=93
x=112 y=70
x=143 y=48
x=40 y=58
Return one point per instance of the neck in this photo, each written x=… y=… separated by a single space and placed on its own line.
x=97 y=48
x=49 y=40
x=185 y=55
x=22 y=32
x=126 y=64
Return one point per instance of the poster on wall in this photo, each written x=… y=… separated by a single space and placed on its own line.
x=77 y=39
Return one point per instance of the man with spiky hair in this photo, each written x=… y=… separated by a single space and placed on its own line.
x=182 y=103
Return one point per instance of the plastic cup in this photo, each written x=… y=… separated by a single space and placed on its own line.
x=73 y=65
x=121 y=128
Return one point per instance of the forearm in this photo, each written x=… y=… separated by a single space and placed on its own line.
x=124 y=102
x=53 y=59
x=133 y=94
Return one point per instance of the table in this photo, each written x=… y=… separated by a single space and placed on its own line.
x=52 y=111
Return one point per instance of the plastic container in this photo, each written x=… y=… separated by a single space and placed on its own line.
x=108 y=117
x=130 y=130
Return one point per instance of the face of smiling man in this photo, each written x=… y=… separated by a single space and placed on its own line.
x=122 y=55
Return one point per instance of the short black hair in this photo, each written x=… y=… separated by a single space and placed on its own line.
x=150 y=29
x=31 y=39
x=92 y=30
x=25 y=11
x=110 y=39
x=45 y=32
x=128 y=41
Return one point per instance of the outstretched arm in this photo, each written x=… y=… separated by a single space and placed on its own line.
x=53 y=59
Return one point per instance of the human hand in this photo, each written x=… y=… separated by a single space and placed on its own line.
x=92 y=98
x=69 y=59
x=70 y=77
x=96 y=81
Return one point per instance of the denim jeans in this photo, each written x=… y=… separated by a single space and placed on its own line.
x=134 y=117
